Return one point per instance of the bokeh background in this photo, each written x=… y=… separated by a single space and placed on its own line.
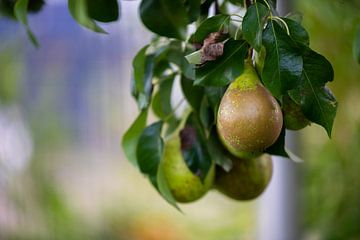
x=65 y=106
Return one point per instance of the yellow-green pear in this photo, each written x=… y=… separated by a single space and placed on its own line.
x=185 y=186
x=249 y=118
x=247 y=179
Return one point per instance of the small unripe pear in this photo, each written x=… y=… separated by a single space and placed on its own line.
x=247 y=179
x=294 y=118
x=185 y=186
x=249 y=118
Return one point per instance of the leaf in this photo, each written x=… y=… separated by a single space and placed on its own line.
x=283 y=61
x=356 y=45
x=218 y=152
x=103 y=10
x=206 y=114
x=150 y=148
x=132 y=135
x=214 y=95
x=192 y=9
x=297 y=32
x=165 y=17
x=193 y=147
x=278 y=148
x=194 y=58
x=253 y=24
x=213 y=24
x=193 y=94
x=317 y=102
x=161 y=102
x=226 y=68
x=79 y=11
x=142 y=78
x=164 y=189
x=20 y=12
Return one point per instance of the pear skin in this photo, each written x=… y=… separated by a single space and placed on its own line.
x=249 y=118
x=247 y=179
x=294 y=118
x=185 y=186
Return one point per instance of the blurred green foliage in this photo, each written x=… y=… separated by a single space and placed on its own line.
x=331 y=179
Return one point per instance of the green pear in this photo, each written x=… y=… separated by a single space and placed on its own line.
x=249 y=118
x=247 y=179
x=185 y=186
x=294 y=118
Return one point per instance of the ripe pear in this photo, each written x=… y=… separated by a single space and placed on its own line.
x=294 y=118
x=185 y=186
x=249 y=118
x=247 y=179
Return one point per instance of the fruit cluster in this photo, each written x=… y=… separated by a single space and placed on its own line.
x=246 y=79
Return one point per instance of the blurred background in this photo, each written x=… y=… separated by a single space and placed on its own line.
x=65 y=106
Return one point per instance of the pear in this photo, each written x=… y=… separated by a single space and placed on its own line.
x=247 y=179
x=249 y=118
x=184 y=185
x=294 y=118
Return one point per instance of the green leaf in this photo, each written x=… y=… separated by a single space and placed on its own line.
x=142 y=78
x=20 y=12
x=103 y=10
x=278 y=148
x=253 y=24
x=165 y=17
x=176 y=55
x=150 y=148
x=214 y=95
x=317 y=102
x=212 y=24
x=161 y=102
x=164 y=189
x=193 y=94
x=79 y=11
x=218 y=153
x=356 y=45
x=283 y=61
x=206 y=114
x=132 y=135
x=297 y=32
x=192 y=9
x=193 y=147
x=226 y=68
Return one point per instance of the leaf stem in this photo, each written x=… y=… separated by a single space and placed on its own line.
x=174 y=110
x=283 y=22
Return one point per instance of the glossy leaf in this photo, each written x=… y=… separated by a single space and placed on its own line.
x=103 y=10
x=226 y=68
x=297 y=32
x=165 y=17
x=253 y=24
x=79 y=11
x=317 y=102
x=193 y=147
x=206 y=114
x=150 y=148
x=142 y=78
x=212 y=24
x=20 y=12
x=192 y=93
x=356 y=45
x=163 y=187
x=132 y=135
x=283 y=62
x=161 y=102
